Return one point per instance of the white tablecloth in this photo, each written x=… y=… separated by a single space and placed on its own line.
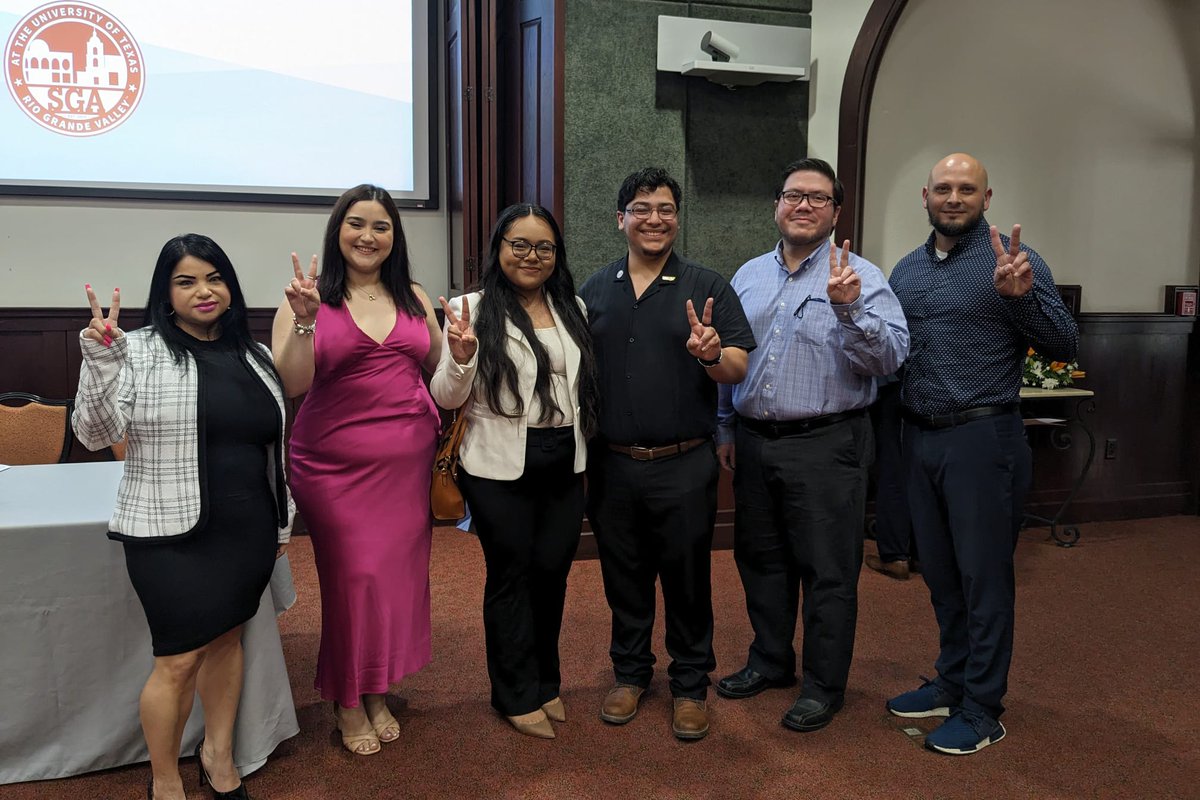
x=74 y=645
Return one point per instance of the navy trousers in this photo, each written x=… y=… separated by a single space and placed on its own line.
x=966 y=490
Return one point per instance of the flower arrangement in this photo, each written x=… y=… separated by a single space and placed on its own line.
x=1042 y=373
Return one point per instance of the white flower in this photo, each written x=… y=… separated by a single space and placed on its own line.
x=1049 y=383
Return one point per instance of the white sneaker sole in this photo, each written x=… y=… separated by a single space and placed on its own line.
x=952 y=752
x=943 y=711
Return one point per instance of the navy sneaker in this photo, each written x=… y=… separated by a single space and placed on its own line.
x=965 y=733
x=930 y=700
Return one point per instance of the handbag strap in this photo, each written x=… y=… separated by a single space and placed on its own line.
x=457 y=428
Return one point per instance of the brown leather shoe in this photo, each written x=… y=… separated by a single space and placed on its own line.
x=691 y=718
x=621 y=703
x=893 y=569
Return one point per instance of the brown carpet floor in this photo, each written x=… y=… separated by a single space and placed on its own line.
x=1102 y=697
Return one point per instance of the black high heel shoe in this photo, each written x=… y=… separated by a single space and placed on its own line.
x=235 y=794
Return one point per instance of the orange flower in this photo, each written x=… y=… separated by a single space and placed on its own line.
x=1031 y=352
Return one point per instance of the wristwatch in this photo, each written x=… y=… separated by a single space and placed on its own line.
x=714 y=362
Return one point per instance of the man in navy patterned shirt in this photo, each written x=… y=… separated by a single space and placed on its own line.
x=975 y=301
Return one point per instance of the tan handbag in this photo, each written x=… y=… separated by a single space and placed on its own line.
x=445 y=499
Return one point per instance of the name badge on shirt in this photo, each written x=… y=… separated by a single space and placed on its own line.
x=668 y=278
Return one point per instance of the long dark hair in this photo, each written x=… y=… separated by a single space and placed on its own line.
x=394 y=273
x=501 y=305
x=235 y=326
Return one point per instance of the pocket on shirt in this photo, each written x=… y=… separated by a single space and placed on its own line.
x=816 y=327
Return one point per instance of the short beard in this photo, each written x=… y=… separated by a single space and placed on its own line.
x=816 y=238
x=953 y=229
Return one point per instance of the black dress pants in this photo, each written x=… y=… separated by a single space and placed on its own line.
x=966 y=489
x=654 y=519
x=801 y=502
x=893 y=522
x=529 y=530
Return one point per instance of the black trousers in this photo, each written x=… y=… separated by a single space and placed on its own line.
x=893 y=522
x=529 y=530
x=801 y=501
x=654 y=519
x=966 y=489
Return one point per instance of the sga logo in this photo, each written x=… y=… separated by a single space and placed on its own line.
x=74 y=69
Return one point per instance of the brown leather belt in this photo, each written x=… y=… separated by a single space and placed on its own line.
x=654 y=453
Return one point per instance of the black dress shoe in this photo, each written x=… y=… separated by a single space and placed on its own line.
x=808 y=714
x=747 y=683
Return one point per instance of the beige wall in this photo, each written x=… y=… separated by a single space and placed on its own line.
x=835 y=26
x=49 y=248
x=1085 y=113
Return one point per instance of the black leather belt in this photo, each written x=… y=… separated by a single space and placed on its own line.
x=931 y=422
x=638 y=453
x=773 y=429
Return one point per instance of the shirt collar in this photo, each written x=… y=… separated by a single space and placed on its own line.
x=822 y=251
x=982 y=230
x=667 y=276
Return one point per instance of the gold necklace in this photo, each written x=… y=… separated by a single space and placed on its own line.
x=370 y=296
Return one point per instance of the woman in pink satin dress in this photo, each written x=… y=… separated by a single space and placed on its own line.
x=356 y=339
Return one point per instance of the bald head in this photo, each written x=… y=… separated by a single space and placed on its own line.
x=960 y=164
x=955 y=197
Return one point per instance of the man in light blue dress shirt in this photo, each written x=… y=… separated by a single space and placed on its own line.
x=796 y=434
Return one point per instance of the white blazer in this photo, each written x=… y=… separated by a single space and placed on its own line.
x=494 y=446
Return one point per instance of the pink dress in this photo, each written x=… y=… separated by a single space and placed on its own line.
x=361 y=453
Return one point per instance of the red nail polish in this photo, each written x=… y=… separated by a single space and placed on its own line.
x=107 y=341
x=108 y=328
x=87 y=286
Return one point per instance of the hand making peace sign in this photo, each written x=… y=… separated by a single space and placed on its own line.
x=103 y=329
x=302 y=293
x=704 y=343
x=460 y=336
x=1014 y=274
x=844 y=285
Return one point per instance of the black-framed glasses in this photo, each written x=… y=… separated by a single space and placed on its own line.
x=799 y=312
x=815 y=199
x=520 y=248
x=644 y=210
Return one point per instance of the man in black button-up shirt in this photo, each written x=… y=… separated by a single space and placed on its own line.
x=975 y=301
x=666 y=331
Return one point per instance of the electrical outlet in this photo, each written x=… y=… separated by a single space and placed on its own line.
x=1110 y=448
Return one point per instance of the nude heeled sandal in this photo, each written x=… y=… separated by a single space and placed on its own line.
x=360 y=744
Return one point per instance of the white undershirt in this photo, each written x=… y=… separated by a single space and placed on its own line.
x=551 y=339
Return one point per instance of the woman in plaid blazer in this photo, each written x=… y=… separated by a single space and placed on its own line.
x=202 y=510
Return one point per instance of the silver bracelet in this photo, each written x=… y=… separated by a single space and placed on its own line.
x=303 y=330
x=714 y=362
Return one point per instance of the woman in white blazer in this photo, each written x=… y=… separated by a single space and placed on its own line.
x=517 y=357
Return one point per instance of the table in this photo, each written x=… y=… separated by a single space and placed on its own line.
x=74 y=644
x=1060 y=437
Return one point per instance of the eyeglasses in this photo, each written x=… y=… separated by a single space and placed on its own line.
x=520 y=248
x=799 y=312
x=644 y=210
x=815 y=199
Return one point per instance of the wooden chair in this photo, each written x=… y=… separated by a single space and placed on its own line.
x=34 y=430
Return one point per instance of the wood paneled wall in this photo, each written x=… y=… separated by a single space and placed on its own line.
x=1144 y=368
